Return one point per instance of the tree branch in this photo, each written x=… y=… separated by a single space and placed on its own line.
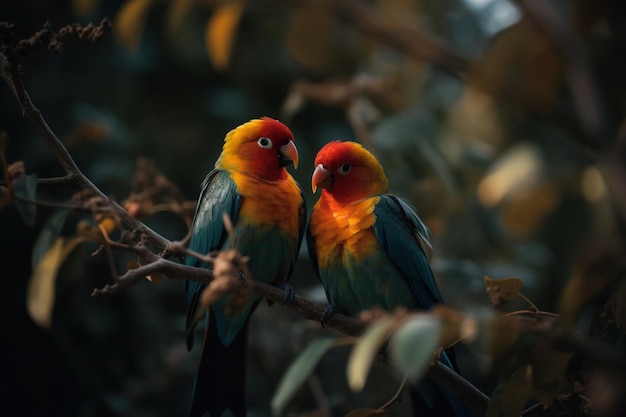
x=10 y=73
x=458 y=385
x=415 y=44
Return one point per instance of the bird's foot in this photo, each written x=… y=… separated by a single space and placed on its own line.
x=289 y=294
x=243 y=278
x=437 y=355
x=328 y=312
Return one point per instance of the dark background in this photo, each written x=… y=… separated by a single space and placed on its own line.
x=440 y=141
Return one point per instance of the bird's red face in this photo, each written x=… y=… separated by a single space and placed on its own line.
x=262 y=147
x=348 y=172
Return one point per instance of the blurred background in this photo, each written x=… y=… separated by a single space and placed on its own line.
x=481 y=119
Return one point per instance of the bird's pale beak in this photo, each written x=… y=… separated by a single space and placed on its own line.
x=322 y=178
x=288 y=154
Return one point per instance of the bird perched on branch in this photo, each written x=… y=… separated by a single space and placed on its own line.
x=370 y=249
x=251 y=186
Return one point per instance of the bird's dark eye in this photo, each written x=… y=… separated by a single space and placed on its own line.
x=264 y=143
x=344 y=169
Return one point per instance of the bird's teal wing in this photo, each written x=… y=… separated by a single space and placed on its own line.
x=405 y=239
x=302 y=222
x=303 y=216
x=310 y=243
x=218 y=197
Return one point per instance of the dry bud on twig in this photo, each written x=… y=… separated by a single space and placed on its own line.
x=230 y=278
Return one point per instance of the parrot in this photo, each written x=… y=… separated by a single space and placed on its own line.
x=370 y=249
x=250 y=185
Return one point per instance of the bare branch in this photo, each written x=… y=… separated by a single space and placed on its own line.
x=460 y=387
x=415 y=44
x=58 y=181
x=10 y=72
x=155 y=263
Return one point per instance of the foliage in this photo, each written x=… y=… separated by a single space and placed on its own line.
x=506 y=133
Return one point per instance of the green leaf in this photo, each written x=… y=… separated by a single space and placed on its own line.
x=48 y=234
x=364 y=353
x=26 y=187
x=298 y=372
x=413 y=345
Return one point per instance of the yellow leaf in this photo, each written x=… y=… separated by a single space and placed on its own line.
x=518 y=168
x=502 y=289
x=84 y=8
x=593 y=185
x=155 y=278
x=309 y=36
x=508 y=287
x=133 y=265
x=88 y=231
x=220 y=32
x=108 y=224
x=525 y=211
x=130 y=22
x=41 y=287
x=365 y=351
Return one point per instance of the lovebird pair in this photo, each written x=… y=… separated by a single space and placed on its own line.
x=368 y=248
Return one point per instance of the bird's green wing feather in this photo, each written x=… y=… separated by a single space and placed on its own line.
x=405 y=239
x=218 y=197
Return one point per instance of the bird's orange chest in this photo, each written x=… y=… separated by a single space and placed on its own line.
x=274 y=204
x=340 y=229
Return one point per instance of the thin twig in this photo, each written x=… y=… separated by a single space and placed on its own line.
x=538 y=313
x=395 y=396
x=68 y=180
x=320 y=397
x=460 y=387
x=531 y=409
x=10 y=72
x=50 y=204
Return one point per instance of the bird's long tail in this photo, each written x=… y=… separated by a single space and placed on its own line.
x=221 y=379
x=429 y=399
